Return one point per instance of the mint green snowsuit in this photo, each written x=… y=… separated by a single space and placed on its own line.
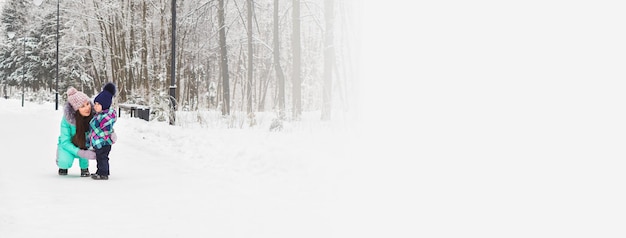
x=66 y=150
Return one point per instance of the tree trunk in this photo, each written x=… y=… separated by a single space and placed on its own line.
x=329 y=60
x=223 y=58
x=297 y=87
x=279 y=71
x=92 y=68
x=130 y=50
x=163 y=62
x=250 y=59
x=144 y=51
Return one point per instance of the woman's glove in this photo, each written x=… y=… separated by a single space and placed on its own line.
x=113 y=137
x=87 y=154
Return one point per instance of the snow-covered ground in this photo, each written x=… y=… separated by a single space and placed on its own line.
x=196 y=180
x=489 y=120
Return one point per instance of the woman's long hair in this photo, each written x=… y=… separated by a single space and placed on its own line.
x=82 y=127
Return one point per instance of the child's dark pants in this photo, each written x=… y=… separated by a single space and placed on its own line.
x=102 y=157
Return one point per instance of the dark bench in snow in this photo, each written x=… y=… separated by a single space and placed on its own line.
x=136 y=110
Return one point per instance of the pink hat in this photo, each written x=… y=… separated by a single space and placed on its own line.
x=76 y=98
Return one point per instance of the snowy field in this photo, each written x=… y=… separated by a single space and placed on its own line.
x=490 y=119
x=195 y=180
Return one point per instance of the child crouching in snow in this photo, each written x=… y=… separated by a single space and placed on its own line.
x=101 y=126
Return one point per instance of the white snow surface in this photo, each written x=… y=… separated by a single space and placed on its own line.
x=196 y=180
x=481 y=119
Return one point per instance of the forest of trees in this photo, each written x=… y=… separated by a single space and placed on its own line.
x=283 y=56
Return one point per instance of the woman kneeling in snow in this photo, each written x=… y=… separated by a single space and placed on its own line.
x=74 y=128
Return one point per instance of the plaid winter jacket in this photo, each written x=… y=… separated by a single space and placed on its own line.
x=101 y=128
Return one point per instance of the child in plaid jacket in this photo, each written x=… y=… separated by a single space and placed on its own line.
x=101 y=126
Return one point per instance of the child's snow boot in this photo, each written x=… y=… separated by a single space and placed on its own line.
x=99 y=177
x=84 y=172
x=62 y=171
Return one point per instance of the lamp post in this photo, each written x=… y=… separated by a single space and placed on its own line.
x=23 y=68
x=56 y=97
x=173 y=69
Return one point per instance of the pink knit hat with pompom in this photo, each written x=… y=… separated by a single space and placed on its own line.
x=76 y=98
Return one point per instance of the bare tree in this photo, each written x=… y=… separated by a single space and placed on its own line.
x=297 y=82
x=329 y=59
x=250 y=59
x=279 y=71
x=223 y=58
x=144 y=48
